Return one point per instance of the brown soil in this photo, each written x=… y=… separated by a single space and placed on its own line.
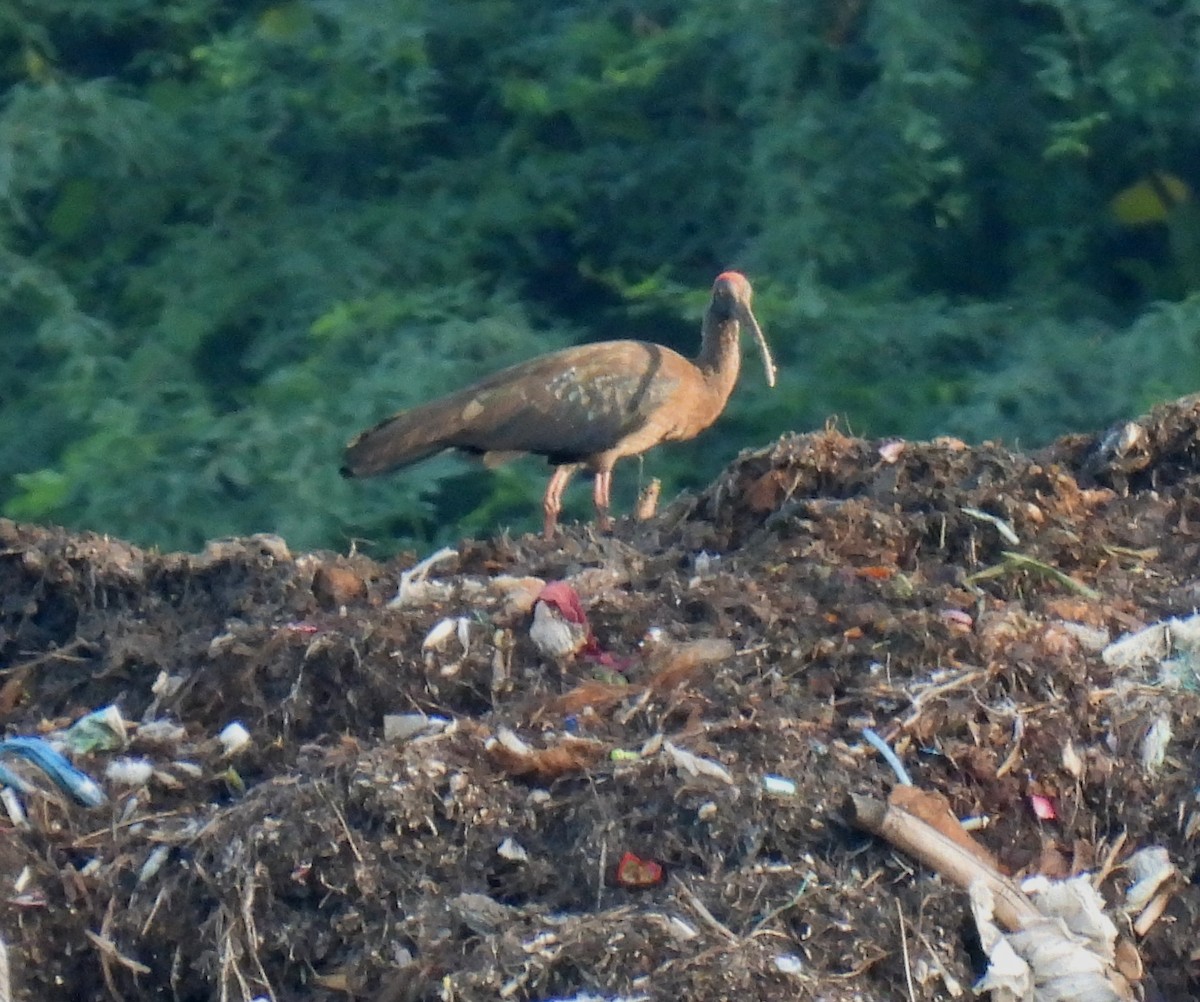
x=325 y=862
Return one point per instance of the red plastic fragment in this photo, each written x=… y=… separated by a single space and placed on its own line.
x=565 y=599
x=636 y=873
x=1043 y=807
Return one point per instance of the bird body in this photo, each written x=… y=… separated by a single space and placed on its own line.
x=568 y=405
x=581 y=407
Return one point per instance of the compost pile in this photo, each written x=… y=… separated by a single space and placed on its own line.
x=426 y=805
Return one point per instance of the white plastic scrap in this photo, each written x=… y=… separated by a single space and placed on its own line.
x=415 y=587
x=459 y=626
x=165 y=686
x=160 y=732
x=13 y=807
x=788 y=963
x=1008 y=978
x=439 y=633
x=234 y=737
x=1185 y=632
x=129 y=771
x=704 y=565
x=926 y=969
x=168 y=780
x=1172 y=644
x=509 y=741
x=681 y=929
x=406 y=726
x=593 y=997
x=1072 y=761
x=1078 y=904
x=154 y=861
x=1150 y=868
x=1182 y=668
x=779 y=786
x=695 y=765
x=1135 y=649
x=512 y=850
x=5 y=974
x=1068 y=956
x=1154 y=744
x=1092 y=639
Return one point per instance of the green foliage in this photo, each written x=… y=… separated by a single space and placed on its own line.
x=231 y=235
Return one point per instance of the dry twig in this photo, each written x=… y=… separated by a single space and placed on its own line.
x=908 y=978
x=699 y=908
x=6 y=994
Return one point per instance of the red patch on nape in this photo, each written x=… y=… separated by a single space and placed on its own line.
x=731 y=276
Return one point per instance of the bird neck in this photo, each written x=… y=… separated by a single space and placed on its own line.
x=720 y=354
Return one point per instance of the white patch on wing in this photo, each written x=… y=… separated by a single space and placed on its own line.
x=596 y=396
x=563 y=382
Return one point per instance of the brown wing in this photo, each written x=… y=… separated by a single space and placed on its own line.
x=566 y=405
x=570 y=404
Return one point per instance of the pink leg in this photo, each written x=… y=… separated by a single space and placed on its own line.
x=600 y=491
x=552 y=502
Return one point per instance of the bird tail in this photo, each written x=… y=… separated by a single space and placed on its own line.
x=401 y=440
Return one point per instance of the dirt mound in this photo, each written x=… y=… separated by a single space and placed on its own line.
x=654 y=818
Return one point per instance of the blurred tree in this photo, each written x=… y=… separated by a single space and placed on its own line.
x=231 y=235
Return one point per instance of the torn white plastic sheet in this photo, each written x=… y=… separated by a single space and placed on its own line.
x=1068 y=955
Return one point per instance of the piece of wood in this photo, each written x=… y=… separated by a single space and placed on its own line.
x=943 y=854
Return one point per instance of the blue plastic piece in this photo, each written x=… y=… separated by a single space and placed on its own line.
x=41 y=753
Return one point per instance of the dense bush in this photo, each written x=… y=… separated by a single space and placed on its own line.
x=233 y=234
